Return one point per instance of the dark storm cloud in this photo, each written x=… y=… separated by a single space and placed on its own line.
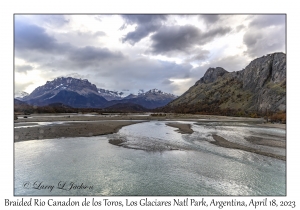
x=32 y=37
x=141 y=32
x=144 y=19
x=265 y=34
x=183 y=38
x=23 y=68
x=211 y=34
x=85 y=58
x=210 y=18
x=92 y=54
x=33 y=44
x=180 y=38
x=146 y=24
x=267 y=20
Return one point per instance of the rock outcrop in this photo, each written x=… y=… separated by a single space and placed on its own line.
x=258 y=88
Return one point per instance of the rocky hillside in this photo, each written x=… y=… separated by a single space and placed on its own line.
x=259 y=88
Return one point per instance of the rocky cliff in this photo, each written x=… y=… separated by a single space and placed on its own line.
x=259 y=88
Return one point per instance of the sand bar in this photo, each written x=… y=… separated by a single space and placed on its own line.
x=182 y=128
x=74 y=125
x=73 y=129
x=266 y=142
x=220 y=141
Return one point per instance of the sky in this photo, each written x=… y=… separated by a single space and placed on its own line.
x=131 y=52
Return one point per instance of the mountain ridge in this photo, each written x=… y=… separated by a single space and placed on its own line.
x=80 y=93
x=151 y=99
x=260 y=87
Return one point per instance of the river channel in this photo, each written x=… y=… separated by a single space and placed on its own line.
x=152 y=160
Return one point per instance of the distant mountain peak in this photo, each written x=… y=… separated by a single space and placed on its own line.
x=110 y=95
x=157 y=92
x=154 y=91
x=20 y=95
x=67 y=90
x=82 y=93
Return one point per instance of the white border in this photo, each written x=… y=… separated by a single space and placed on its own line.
x=8 y=8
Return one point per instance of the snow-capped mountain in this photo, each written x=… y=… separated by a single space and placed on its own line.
x=69 y=91
x=156 y=92
x=79 y=93
x=151 y=99
x=131 y=96
x=110 y=95
x=20 y=95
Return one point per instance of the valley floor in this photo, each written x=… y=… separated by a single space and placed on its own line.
x=81 y=125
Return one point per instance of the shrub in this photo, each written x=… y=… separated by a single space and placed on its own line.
x=279 y=117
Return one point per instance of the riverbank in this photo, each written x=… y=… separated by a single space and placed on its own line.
x=69 y=129
x=220 y=141
x=133 y=116
x=84 y=125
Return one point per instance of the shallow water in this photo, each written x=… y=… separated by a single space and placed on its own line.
x=163 y=162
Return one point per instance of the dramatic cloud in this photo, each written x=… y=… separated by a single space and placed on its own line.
x=33 y=43
x=183 y=38
x=265 y=34
x=145 y=25
x=176 y=38
x=92 y=54
x=210 y=18
x=267 y=20
x=32 y=37
x=168 y=52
